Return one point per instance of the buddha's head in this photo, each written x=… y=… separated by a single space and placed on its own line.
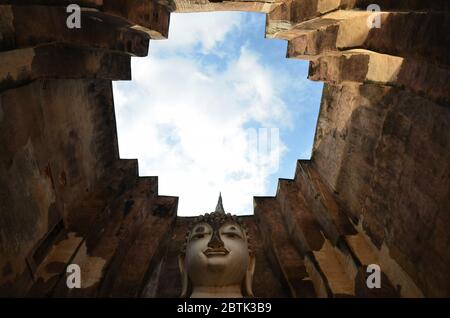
x=217 y=257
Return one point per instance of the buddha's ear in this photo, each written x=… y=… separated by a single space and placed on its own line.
x=184 y=277
x=248 y=280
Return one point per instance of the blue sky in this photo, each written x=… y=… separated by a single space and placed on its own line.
x=196 y=100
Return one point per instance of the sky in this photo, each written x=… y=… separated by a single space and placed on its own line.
x=217 y=108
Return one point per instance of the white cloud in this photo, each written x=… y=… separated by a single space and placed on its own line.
x=187 y=30
x=187 y=123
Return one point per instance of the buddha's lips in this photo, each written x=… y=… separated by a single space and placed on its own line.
x=221 y=251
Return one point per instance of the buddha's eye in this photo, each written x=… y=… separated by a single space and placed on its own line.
x=231 y=235
x=198 y=236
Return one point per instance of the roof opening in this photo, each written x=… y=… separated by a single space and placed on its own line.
x=217 y=108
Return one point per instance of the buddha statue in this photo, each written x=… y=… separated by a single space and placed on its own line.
x=216 y=260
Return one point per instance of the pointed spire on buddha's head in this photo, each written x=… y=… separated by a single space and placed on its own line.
x=219 y=206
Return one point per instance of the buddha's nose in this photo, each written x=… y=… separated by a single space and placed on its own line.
x=215 y=241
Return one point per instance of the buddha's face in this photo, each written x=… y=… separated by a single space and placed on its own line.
x=217 y=256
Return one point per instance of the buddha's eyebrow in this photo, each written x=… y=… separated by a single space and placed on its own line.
x=232 y=228
x=200 y=229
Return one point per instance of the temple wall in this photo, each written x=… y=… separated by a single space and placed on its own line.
x=53 y=153
x=385 y=152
